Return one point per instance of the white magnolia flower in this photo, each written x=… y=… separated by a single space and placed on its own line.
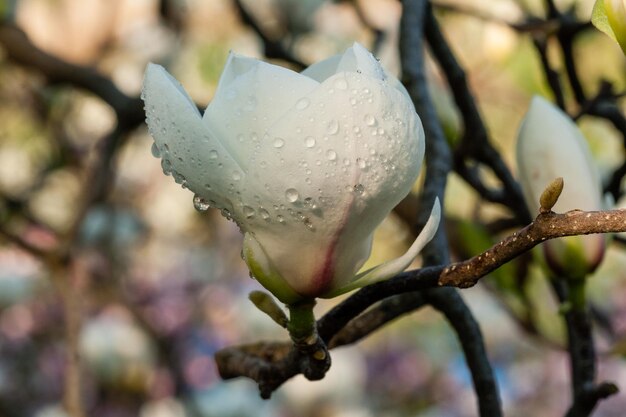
x=307 y=164
x=549 y=146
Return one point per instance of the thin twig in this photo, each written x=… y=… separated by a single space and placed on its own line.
x=475 y=142
x=271 y=48
x=20 y=49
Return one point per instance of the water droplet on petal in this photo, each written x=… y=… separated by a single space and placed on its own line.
x=227 y=214
x=280 y=218
x=166 y=165
x=265 y=215
x=309 y=141
x=359 y=188
x=346 y=162
x=333 y=127
x=200 y=203
x=308 y=224
x=310 y=203
x=303 y=103
x=155 y=150
x=369 y=120
x=279 y=143
x=248 y=212
x=331 y=155
x=213 y=154
x=236 y=175
x=341 y=84
x=292 y=195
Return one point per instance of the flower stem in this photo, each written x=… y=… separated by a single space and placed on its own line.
x=301 y=321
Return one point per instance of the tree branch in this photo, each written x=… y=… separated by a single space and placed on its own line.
x=20 y=49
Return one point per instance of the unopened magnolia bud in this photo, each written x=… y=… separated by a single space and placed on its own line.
x=550 y=145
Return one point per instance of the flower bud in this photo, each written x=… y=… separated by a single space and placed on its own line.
x=308 y=164
x=549 y=146
x=609 y=16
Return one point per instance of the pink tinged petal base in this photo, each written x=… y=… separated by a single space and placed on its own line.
x=391 y=268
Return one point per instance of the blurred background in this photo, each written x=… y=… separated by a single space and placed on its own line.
x=103 y=255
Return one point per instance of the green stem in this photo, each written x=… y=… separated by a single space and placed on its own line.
x=577 y=294
x=301 y=320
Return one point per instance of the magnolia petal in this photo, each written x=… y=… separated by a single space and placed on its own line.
x=246 y=83
x=194 y=157
x=322 y=70
x=392 y=268
x=362 y=61
x=549 y=146
x=262 y=269
x=355 y=59
x=345 y=161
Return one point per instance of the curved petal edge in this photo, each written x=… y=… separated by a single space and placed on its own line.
x=391 y=268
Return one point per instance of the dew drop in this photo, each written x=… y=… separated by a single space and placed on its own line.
x=280 y=218
x=369 y=120
x=310 y=203
x=309 y=141
x=166 y=165
x=213 y=154
x=308 y=224
x=333 y=127
x=303 y=103
x=248 y=212
x=331 y=155
x=346 y=162
x=240 y=138
x=279 y=143
x=341 y=84
x=353 y=101
x=207 y=186
x=291 y=194
x=359 y=189
x=265 y=215
x=155 y=150
x=236 y=175
x=227 y=214
x=200 y=203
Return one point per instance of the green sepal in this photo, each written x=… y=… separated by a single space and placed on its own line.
x=262 y=269
x=265 y=302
